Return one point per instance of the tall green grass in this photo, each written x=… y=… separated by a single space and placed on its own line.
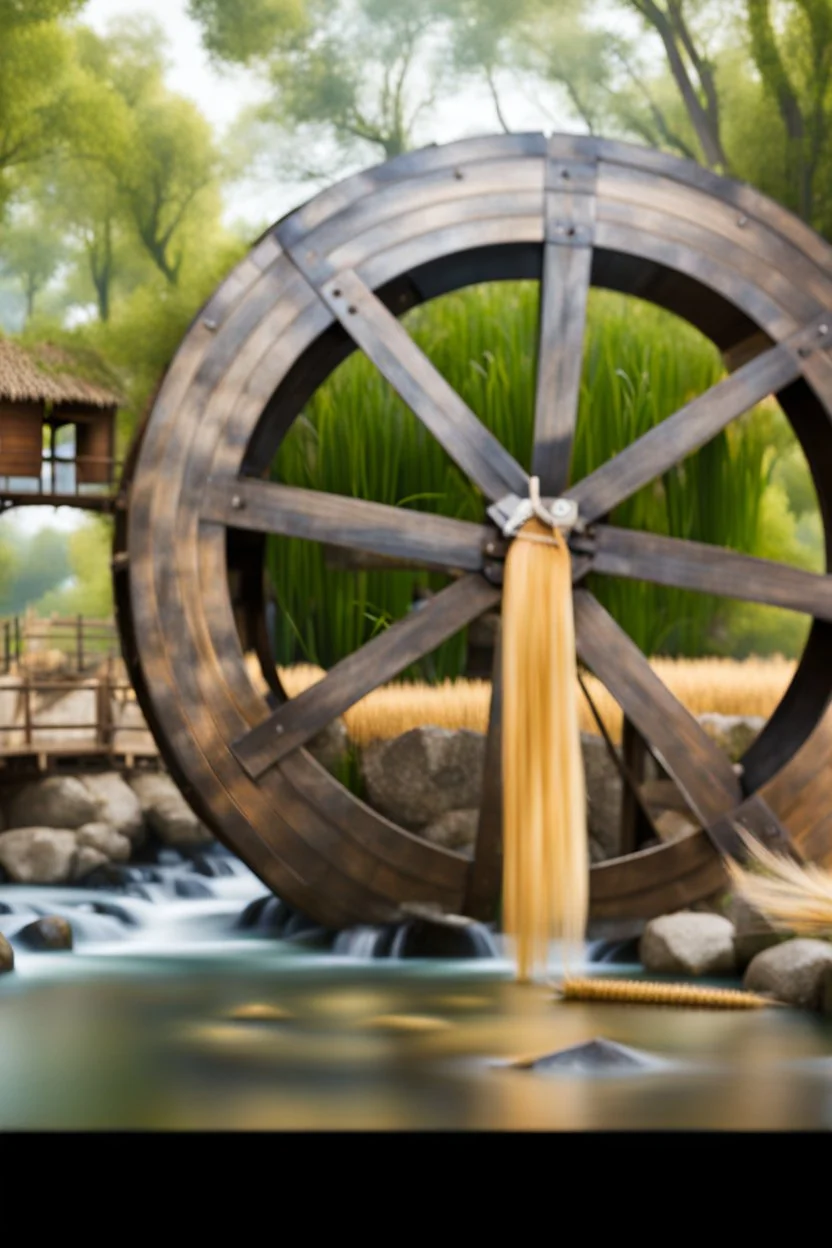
x=356 y=437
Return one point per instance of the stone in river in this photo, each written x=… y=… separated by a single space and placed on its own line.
x=49 y=933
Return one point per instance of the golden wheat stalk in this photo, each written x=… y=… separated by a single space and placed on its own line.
x=639 y=992
x=723 y=686
x=793 y=898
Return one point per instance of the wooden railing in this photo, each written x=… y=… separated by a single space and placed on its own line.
x=65 y=694
x=58 y=480
x=80 y=639
x=100 y=727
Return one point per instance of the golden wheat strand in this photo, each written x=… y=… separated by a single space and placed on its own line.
x=640 y=992
x=750 y=687
x=793 y=897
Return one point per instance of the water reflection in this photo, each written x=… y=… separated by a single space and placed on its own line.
x=187 y=1024
x=160 y=1052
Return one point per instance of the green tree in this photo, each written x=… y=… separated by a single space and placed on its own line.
x=95 y=223
x=35 y=71
x=245 y=30
x=346 y=76
x=687 y=37
x=31 y=253
x=17 y=14
x=153 y=159
x=90 y=591
x=168 y=176
x=795 y=68
x=743 y=86
x=8 y=571
x=36 y=564
x=550 y=44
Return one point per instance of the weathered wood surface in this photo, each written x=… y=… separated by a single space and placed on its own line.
x=427 y=394
x=712 y=250
x=376 y=663
x=700 y=420
x=418 y=537
x=702 y=772
x=567 y=263
x=711 y=569
x=635 y=828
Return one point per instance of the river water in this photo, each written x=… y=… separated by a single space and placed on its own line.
x=132 y=1029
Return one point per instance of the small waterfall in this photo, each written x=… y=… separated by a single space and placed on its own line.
x=90 y=924
x=177 y=903
x=170 y=904
x=399 y=944
x=614 y=951
x=439 y=936
x=363 y=943
x=271 y=916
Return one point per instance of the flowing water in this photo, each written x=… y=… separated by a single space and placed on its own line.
x=134 y=1029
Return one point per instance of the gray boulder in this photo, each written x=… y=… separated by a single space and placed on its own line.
x=49 y=933
x=116 y=804
x=688 y=944
x=421 y=775
x=100 y=836
x=6 y=955
x=793 y=971
x=456 y=829
x=88 y=860
x=600 y=1054
x=429 y=933
x=54 y=802
x=752 y=932
x=603 y=798
x=38 y=855
x=166 y=811
x=732 y=733
x=331 y=746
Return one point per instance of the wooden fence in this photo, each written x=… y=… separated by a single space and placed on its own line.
x=28 y=641
x=64 y=692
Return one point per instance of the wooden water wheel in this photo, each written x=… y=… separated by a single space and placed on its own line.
x=334 y=276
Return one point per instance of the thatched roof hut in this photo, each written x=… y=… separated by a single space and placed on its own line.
x=49 y=386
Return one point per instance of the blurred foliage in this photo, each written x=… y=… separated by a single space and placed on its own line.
x=31 y=565
x=90 y=590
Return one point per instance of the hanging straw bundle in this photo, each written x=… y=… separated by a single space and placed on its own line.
x=546 y=857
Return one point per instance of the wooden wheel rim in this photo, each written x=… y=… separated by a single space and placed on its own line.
x=739 y=267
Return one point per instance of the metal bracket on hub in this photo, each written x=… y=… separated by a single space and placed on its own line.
x=511 y=513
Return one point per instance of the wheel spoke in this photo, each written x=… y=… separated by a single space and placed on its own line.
x=567 y=263
x=702 y=772
x=656 y=451
x=711 y=569
x=403 y=643
x=426 y=392
x=414 y=537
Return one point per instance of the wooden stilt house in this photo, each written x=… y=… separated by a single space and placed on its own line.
x=44 y=389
